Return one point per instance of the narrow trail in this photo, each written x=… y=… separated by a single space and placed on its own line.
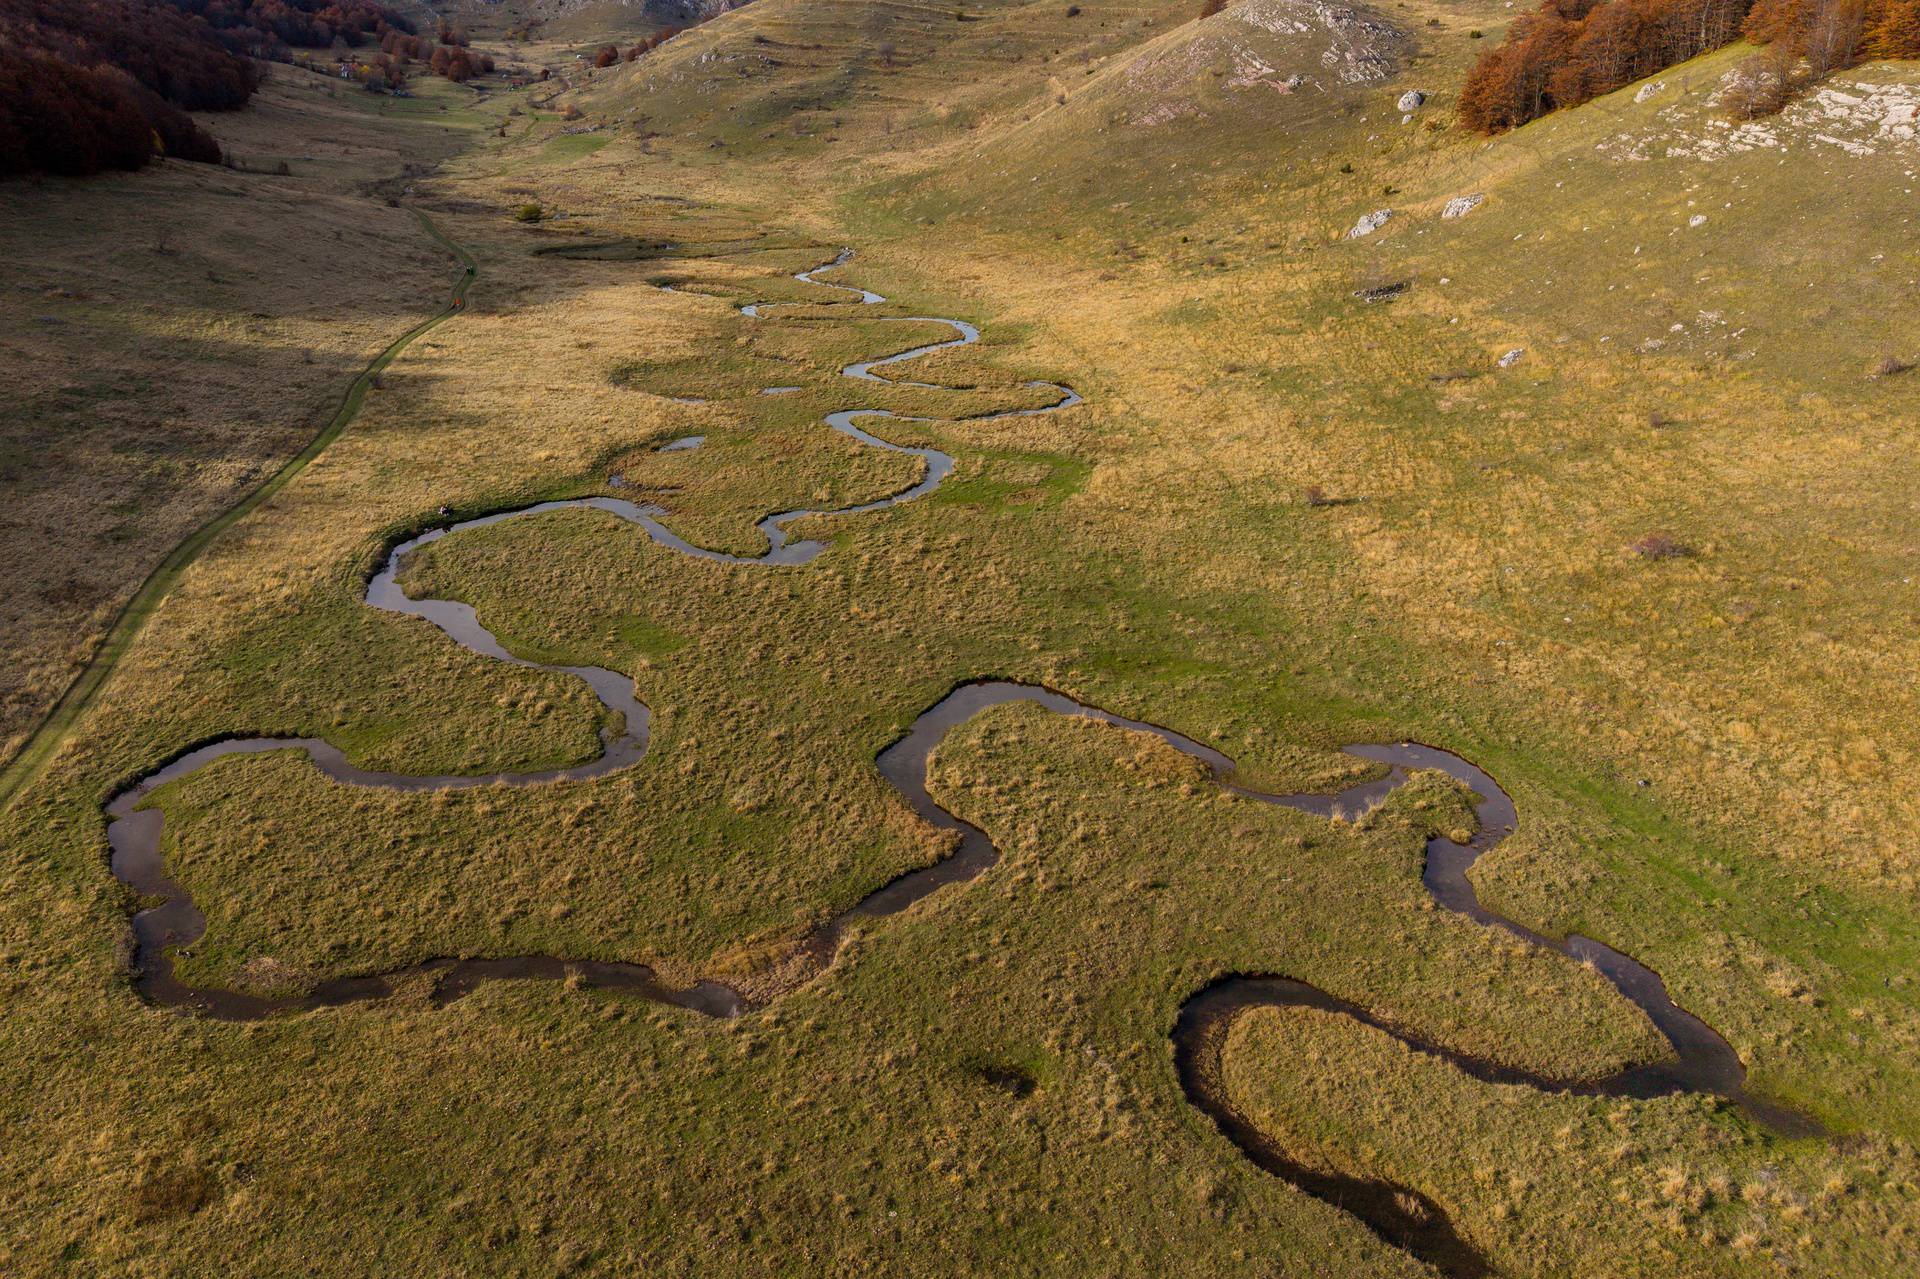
x=61 y=717
x=1701 y=1060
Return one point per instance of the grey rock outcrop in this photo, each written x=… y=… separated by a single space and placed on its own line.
x=1370 y=223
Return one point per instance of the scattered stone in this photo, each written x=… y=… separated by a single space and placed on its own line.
x=1512 y=357
x=1698 y=219
x=1383 y=292
x=1411 y=100
x=1461 y=205
x=1370 y=223
x=1859 y=117
x=1648 y=90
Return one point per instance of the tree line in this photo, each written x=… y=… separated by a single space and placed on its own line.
x=87 y=85
x=453 y=59
x=271 y=29
x=608 y=54
x=1570 y=51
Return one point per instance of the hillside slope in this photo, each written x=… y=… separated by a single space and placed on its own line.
x=172 y=334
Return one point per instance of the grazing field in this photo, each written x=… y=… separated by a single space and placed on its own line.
x=1601 y=484
x=174 y=336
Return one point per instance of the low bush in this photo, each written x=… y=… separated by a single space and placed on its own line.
x=1660 y=546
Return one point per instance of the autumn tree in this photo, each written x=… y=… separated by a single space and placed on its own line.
x=1830 y=35
x=87 y=85
x=1834 y=36
x=1783 y=22
x=1571 y=51
x=269 y=28
x=1895 y=32
x=1510 y=85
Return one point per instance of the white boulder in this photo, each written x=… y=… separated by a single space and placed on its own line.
x=1370 y=223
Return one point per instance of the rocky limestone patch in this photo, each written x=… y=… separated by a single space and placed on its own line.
x=1370 y=223
x=1280 y=46
x=1858 y=117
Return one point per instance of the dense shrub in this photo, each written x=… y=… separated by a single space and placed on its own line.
x=1760 y=85
x=1660 y=546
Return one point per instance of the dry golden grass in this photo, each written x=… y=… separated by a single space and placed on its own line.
x=1573 y=1186
x=1150 y=552
x=172 y=336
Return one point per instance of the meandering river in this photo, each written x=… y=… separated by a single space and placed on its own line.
x=1701 y=1059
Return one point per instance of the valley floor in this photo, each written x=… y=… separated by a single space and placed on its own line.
x=1308 y=501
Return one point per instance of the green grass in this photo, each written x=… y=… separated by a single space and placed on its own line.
x=565 y=150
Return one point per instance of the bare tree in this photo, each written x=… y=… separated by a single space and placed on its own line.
x=1759 y=85
x=1834 y=36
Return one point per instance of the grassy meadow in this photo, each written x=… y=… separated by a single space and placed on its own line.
x=1706 y=747
x=173 y=336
